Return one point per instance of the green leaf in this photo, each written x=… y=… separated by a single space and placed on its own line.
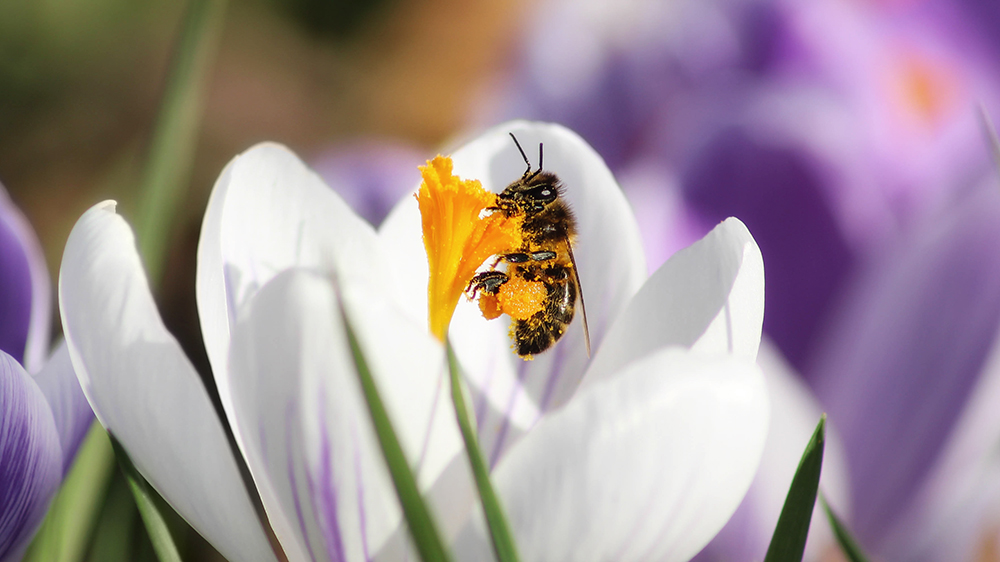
x=789 y=539
x=172 y=146
x=116 y=534
x=156 y=524
x=422 y=527
x=66 y=532
x=847 y=543
x=503 y=540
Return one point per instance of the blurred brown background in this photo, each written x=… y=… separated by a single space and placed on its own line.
x=81 y=80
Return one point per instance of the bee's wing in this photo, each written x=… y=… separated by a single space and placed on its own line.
x=579 y=291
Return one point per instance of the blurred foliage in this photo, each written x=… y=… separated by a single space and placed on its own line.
x=334 y=19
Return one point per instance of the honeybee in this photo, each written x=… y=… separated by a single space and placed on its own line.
x=546 y=256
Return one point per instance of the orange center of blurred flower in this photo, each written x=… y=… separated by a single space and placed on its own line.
x=927 y=88
x=459 y=235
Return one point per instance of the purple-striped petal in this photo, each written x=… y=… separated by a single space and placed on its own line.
x=25 y=293
x=268 y=213
x=308 y=436
x=30 y=458
x=70 y=408
x=900 y=365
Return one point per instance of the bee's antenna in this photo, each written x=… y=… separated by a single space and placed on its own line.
x=523 y=155
x=539 y=157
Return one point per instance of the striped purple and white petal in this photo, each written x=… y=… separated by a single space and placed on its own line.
x=267 y=213
x=313 y=442
x=25 y=291
x=647 y=465
x=30 y=458
x=145 y=391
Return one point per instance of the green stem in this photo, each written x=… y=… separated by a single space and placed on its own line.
x=503 y=541
x=172 y=146
x=422 y=527
x=66 y=532
x=156 y=525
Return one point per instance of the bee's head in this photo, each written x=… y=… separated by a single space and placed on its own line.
x=531 y=193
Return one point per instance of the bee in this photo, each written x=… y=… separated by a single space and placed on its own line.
x=546 y=256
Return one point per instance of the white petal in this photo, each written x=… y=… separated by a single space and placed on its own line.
x=510 y=393
x=143 y=388
x=646 y=466
x=268 y=212
x=309 y=439
x=409 y=365
x=794 y=415
x=708 y=297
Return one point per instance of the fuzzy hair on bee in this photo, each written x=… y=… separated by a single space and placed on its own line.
x=546 y=256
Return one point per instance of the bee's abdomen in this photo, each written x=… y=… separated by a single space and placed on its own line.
x=545 y=327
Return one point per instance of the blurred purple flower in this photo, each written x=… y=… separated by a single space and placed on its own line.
x=43 y=413
x=908 y=348
x=371 y=175
x=846 y=136
x=25 y=300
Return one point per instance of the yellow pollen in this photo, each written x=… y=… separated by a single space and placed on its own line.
x=518 y=298
x=459 y=235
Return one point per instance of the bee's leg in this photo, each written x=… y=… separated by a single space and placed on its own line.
x=487 y=281
x=517 y=257
x=544 y=255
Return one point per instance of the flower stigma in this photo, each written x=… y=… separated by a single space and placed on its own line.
x=460 y=234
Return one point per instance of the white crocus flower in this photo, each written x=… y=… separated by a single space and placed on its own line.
x=642 y=452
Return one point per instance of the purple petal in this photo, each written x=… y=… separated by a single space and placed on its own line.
x=30 y=458
x=25 y=295
x=371 y=176
x=779 y=195
x=70 y=409
x=903 y=358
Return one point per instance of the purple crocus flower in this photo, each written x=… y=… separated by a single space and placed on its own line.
x=43 y=413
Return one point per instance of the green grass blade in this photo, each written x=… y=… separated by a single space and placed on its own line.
x=115 y=537
x=156 y=524
x=423 y=528
x=503 y=540
x=65 y=534
x=789 y=539
x=172 y=146
x=846 y=541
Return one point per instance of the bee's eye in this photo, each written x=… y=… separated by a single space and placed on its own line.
x=542 y=193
